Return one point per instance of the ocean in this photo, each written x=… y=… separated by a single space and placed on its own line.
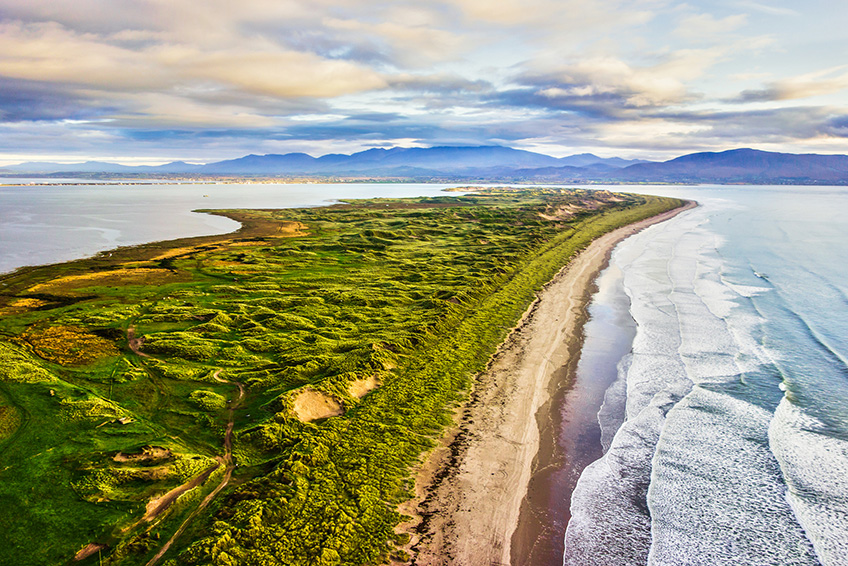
x=724 y=431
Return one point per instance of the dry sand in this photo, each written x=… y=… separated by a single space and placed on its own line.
x=471 y=488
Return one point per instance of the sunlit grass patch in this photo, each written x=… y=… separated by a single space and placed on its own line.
x=122 y=277
x=136 y=477
x=69 y=345
x=28 y=303
x=16 y=365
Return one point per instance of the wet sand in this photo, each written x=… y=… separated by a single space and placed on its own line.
x=505 y=459
x=569 y=428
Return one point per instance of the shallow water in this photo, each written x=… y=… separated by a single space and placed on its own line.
x=53 y=223
x=730 y=442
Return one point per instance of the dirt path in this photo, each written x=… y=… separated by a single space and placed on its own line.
x=135 y=343
x=158 y=505
x=470 y=504
x=227 y=460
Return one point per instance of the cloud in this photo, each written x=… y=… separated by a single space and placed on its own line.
x=818 y=83
x=404 y=44
x=768 y=8
x=259 y=75
x=611 y=87
x=22 y=100
x=49 y=52
x=578 y=16
x=837 y=127
x=441 y=83
x=701 y=27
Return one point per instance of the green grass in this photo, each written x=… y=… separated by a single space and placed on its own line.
x=418 y=292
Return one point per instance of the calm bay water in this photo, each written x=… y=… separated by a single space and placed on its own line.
x=52 y=223
x=725 y=434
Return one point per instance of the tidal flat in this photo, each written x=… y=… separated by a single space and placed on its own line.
x=266 y=394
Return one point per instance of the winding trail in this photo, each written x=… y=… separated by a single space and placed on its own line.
x=227 y=460
x=159 y=505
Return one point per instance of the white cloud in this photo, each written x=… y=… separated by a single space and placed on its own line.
x=768 y=8
x=700 y=27
x=817 y=83
x=465 y=70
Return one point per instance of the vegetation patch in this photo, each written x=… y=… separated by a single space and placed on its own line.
x=28 y=303
x=69 y=345
x=10 y=420
x=147 y=455
x=17 y=365
x=134 y=276
x=208 y=400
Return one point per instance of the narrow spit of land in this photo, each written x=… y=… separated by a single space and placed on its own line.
x=383 y=309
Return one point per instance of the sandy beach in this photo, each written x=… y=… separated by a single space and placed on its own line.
x=470 y=490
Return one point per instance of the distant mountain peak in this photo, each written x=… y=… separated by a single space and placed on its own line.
x=497 y=163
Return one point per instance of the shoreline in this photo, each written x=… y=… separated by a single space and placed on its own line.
x=471 y=489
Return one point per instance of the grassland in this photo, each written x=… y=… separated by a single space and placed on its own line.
x=352 y=330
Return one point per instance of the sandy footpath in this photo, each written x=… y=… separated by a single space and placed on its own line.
x=471 y=488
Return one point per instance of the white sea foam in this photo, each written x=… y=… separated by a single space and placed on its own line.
x=815 y=466
x=716 y=494
x=748 y=290
x=610 y=523
x=611 y=413
x=695 y=445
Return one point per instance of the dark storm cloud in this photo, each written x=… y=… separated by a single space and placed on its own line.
x=758 y=95
x=375 y=117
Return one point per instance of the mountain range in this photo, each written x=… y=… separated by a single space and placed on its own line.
x=494 y=163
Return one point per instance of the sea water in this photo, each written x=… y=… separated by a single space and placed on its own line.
x=725 y=435
x=64 y=219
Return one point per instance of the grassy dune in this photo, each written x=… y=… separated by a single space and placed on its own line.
x=114 y=371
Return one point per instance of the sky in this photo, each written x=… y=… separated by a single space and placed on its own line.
x=152 y=81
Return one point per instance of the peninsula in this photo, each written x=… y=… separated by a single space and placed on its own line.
x=265 y=396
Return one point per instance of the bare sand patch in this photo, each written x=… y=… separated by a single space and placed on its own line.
x=561 y=212
x=147 y=454
x=310 y=405
x=362 y=387
x=89 y=550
